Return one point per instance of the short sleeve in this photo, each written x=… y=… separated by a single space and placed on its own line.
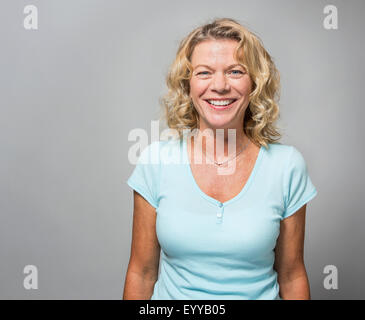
x=298 y=187
x=145 y=176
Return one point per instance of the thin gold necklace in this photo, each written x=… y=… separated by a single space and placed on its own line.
x=216 y=163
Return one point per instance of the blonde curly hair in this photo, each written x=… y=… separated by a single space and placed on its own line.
x=262 y=111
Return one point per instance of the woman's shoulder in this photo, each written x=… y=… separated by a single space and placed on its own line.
x=278 y=149
x=163 y=151
x=285 y=153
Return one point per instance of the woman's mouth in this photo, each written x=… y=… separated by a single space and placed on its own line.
x=220 y=104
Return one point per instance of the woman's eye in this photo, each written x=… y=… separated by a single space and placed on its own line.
x=234 y=72
x=237 y=71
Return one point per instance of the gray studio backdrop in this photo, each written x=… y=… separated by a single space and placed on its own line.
x=73 y=89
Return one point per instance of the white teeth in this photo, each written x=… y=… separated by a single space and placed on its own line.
x=220 y=102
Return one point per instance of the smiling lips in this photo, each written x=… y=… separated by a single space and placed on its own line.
x=221 y=103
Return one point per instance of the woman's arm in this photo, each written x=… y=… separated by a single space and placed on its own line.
x=289 y=261
x=143 y=265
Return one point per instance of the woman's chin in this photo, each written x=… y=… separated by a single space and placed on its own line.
x=219 y=122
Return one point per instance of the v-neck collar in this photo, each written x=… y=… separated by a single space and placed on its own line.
x=211 y=199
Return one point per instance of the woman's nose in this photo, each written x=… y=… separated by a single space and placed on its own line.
x=220 y=82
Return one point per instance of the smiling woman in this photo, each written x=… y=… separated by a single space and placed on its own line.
x=224 y=53
x=225 y=87
x=236 y=233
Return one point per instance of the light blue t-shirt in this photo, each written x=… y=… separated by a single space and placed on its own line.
x=213 y=250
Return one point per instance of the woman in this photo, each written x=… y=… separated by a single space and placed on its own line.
x=232 y=225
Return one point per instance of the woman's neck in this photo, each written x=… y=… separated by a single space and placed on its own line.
x=219 y=143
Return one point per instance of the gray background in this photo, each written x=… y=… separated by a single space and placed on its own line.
x=72 y=90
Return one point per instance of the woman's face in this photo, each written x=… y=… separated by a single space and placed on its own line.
x=217 y=78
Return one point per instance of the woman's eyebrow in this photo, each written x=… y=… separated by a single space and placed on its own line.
x=229 y=67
